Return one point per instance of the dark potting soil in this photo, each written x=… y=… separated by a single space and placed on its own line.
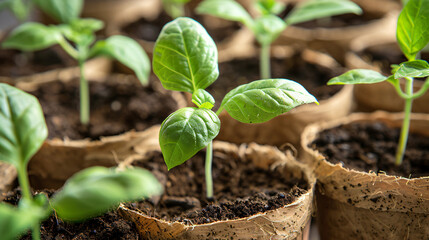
x=372 y=147
x=149 y=29
x=240 y=190
x=15 y=63
x=118 y=104
x=237 y=72
x=108 y=226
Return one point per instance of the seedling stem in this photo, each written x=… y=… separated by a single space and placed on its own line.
x=265 y=61
x=406 y=122
x=209 y=177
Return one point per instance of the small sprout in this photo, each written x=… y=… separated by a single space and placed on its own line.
x=268 y=26
x=20 y=8
x=185 y=59
x=412 y=34
x=81 y=32
x=88 y=193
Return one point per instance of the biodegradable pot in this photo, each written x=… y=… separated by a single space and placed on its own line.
x=378 y=16
x=378 y=54
x=364 y=205
x=58 y=159
x=288 y=222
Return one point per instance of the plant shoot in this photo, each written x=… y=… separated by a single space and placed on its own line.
x=268 y=26
x=412 y=34
x=185 y=59
x=174 y=8
x=77 y=37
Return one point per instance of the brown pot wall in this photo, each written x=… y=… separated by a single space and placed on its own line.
x=360 y=205
x=289 y=222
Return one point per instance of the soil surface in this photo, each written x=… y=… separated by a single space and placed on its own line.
x=108 y=226
x=372 y=147
x=15 y=63
x=117 y=105
x=237 y=72
x=149 y=29
x=241 y=190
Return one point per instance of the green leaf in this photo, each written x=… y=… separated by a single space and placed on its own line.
x=267 y=7
x=412 y=30
x=14 y=222
x=31 y=37
x=185 y=132
x=96 y=190
x=87 y=24
x=20 y=9
x=315 y=9
x=262 y=100
x=23 y=128
x=185 y=56
x=418 y=68
x=202 y=98
x=63 y=11
x=127 y=51
x=226 y=9
x=267 y=28
x=358 y=76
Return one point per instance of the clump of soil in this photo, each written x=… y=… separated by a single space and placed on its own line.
x=150 y=29
x=372 y=147
x=118 y=104
x=237 y=72
x=15 y=63
x=108 y=226
x=241 y=189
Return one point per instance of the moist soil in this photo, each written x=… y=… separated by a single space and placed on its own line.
x=240 y=190
x=149 y=29
x=371 y=147
x=108 y=226
x=118 y=104
x=241 y=71
x=15 y=63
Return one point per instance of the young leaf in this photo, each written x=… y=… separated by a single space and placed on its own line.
x=262 y=100
x=226 y=9
x=14 y=222
x=267 y=28
x=32 y=36
x=63 y=11
x=358 y=76
x=96 y=190
x=23 y=127
x=185 y=56
x=127 y=51
x=267 y=7
x=418 y=68
x=315 y=9
x=185 y=132
x=412 y=31
x=202 y=98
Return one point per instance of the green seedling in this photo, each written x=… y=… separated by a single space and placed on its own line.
x=81 y=33
x=174 y=8
x=87 y=194
x=412 y=34
x=19 y=8
x=268 y=26
x=185 y=59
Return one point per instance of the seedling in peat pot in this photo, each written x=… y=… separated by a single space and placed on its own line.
x=174 y=8
x=87 y=194
x=185 y=59
x=81 y=32
x=268 y=26
x=19 y=8
x=412 y=34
